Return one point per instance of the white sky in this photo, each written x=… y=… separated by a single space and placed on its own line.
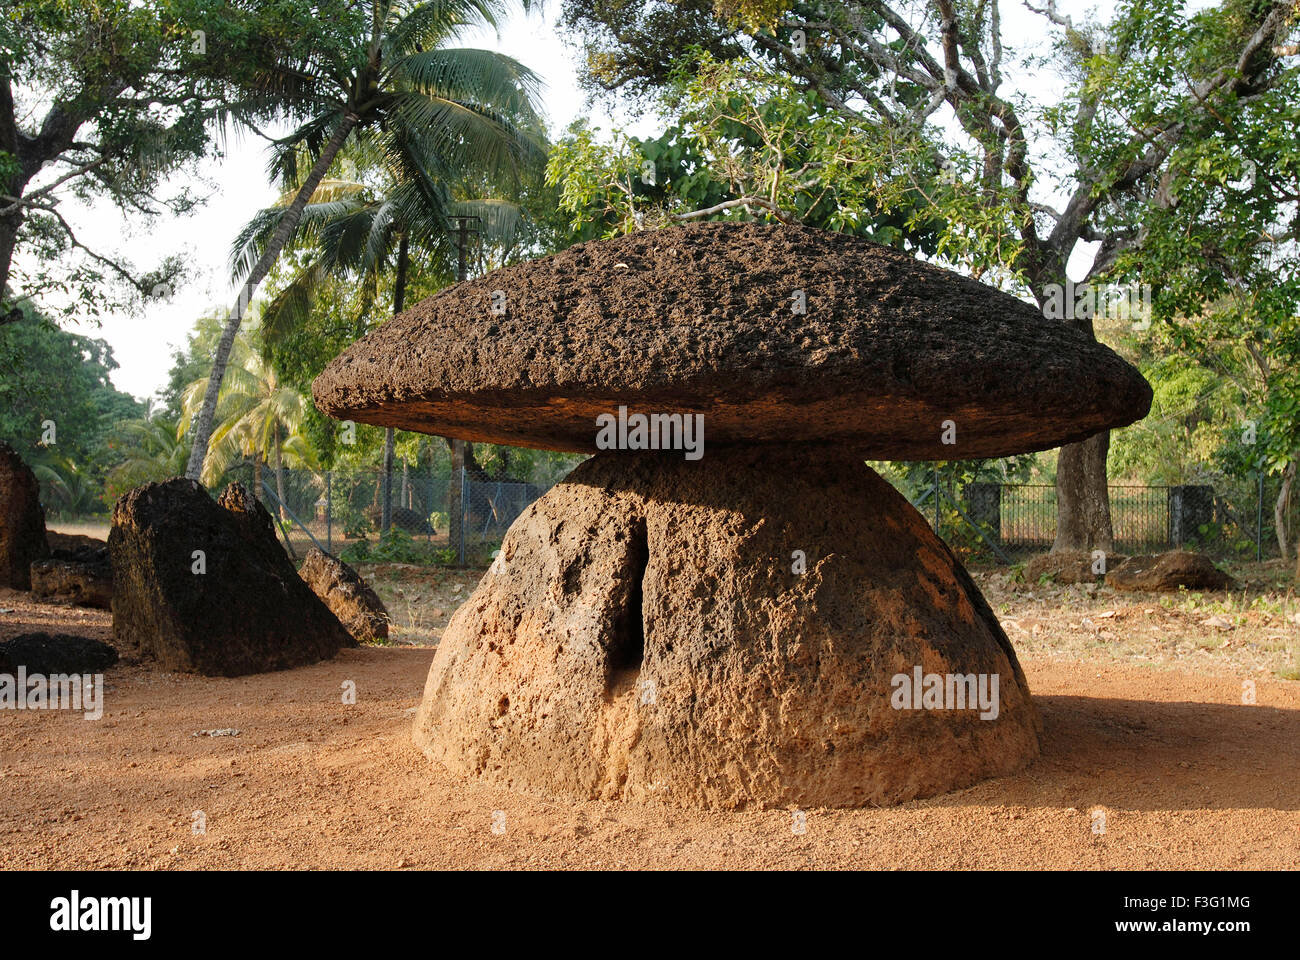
x=143 y=342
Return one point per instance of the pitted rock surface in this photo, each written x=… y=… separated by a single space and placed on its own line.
x=645 y=636
x=701 y=319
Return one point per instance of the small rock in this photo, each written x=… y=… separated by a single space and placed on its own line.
x=84 y=582
x=55 y=653
x=1168 y=572
x=347 y=595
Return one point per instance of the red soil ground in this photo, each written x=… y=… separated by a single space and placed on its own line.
x=1186 y=775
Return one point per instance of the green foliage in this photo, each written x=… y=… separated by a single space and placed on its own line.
x=113 y=99
x=915 y=478
x=66 y=490
x=747 y=143
x=346 y=515
x=189 y=364
x=1195 y=414
x=147 y=450
x=1218 y=234
x=48 y=374
x=395 y=546
x=256 y=415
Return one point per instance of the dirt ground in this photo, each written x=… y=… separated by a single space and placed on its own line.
x=1150 y=760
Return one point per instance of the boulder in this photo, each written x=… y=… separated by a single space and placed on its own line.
x=55 y=653
x=22 y=521
x=723 y=638
x=1163 y=572
x=706 y=318
x=1070 y=566
x=204 y=586
x=75 y=546
x=347 y=595
x=84 y=582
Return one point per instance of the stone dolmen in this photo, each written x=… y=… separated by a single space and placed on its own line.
x=725 y=606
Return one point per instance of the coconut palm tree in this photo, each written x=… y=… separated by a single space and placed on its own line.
x=398 y=83
x=65 y=488
x=152 y=448
x=257 y=417
x=396 y=212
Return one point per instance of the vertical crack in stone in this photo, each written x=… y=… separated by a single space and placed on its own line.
x=626 y=649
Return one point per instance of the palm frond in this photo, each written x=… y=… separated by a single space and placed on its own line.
x=424 y=25
x=253 y=239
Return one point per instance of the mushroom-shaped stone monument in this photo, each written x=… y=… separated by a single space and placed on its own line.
x=725 y=606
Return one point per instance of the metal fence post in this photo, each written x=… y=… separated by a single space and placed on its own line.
x=464 y=513
x=329 y=513
x=1259 y=519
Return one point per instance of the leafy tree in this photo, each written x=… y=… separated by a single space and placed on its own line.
x=148 y=449
x=50 y=378
x=189 y=363
x=109 y=99
x=743 y=144
x=66 y=488
x=1191 y=409
x=257 y=417
x=923 y=84
x=395 y=214
x=1217 y=239
x=389 y=85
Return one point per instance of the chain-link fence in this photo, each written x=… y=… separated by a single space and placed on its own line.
x=433 y=519
x=343 y=511
x=1227 y=519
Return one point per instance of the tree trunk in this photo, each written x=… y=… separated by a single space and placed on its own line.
x=1082 y=500
x=279 y=474
x=405 y=498
x=390 y=435
x=257 y=477
x=283 y=231
x=13 y=187
x=9 y=227
x=386 y=481
x=455 y=506
x=279 y=491
x=1083 y=521
x=1282 y=511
